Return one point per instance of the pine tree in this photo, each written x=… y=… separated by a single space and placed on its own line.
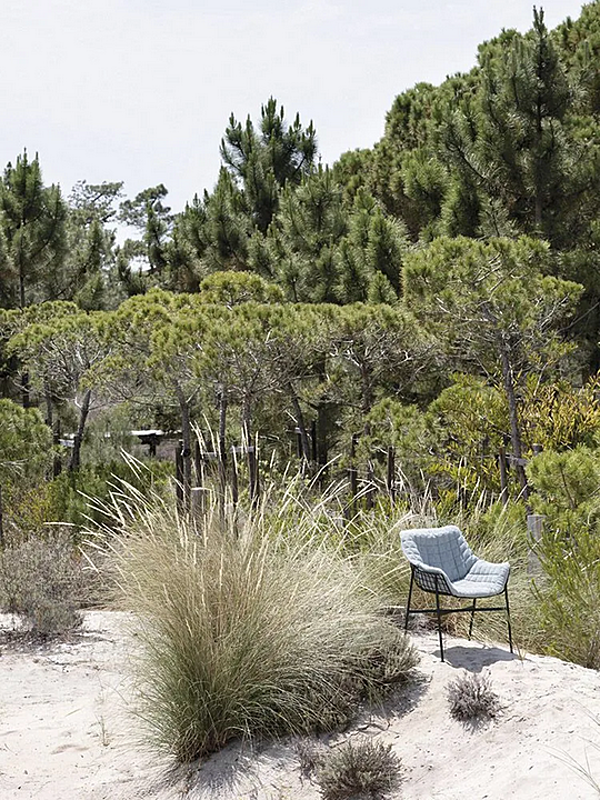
x=32 y=221
x=263 y=162
x=310 y=225
x=369 y=258
x=152 y=219
x=91 y=257
x=495 y=311
x=227 y=228
x=517 y=145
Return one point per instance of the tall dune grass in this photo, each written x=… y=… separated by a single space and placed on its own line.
x=249 y=627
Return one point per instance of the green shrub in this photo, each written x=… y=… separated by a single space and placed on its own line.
x=567 y=614
x=566 y=485
x=69 y=493
x=363 y=768
x=247 y=630
x=25 y=444
x=43 y=583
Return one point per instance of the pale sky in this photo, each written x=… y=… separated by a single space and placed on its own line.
x=141 y=91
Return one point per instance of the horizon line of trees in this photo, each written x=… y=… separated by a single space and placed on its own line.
x=439 y=290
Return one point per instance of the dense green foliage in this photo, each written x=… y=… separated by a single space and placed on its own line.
x=400 y=318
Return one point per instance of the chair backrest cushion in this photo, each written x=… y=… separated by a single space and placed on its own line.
x=445 y=548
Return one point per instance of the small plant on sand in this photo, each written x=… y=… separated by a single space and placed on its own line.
x=42 y=583
x=364 y=769
x=310 y=755
x=472 y=699
x=248 y=628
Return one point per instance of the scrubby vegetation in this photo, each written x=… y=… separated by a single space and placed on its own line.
x=472 y=699
x=361 y=768
x=42 y=582
x=409 y=337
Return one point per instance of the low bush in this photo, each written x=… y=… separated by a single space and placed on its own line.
x=566 y=613
x=363 y=768
x=69 y=493
x=42 y=581
x=472 y=699
x=247 y=629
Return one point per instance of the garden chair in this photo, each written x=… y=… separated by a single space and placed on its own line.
x=442 y=563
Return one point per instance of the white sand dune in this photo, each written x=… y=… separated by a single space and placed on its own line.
x=66 y=732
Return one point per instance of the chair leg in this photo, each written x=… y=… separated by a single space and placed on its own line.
x=508 y=619
x=439 y=617
x=412 y=577
x=472 y=618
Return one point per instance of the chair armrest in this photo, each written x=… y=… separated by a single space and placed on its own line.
x=425 y=576
x=428 y=568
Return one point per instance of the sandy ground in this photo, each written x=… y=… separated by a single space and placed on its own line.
x=67 y=733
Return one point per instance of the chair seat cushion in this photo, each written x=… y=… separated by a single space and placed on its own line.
x=482 y=580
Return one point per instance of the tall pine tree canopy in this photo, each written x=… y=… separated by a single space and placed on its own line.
x=509 y=150
x=265 y=159
x=32 y=233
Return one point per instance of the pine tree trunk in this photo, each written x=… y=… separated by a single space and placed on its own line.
x=25 y=390
x=84 y=411
x=49 y=409
x=221 y=444
x=304 y=442
x=513 y=414
x=186 y=452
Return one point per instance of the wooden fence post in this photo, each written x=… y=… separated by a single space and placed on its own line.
x=222 y=467
x=234 y=477
x=503 y=465
x=198 y=465
x=253 y=472
x=1 y=520
x=56 y=461
x=353 y=473
x=179 y=474
x=391 y=473
x=313 y=437
x=198 y=491
x=370 y=485
x=196 y=503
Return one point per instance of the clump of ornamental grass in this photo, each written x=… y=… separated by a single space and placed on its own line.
x=362 y=768
x=472 y=699
x=248 y=628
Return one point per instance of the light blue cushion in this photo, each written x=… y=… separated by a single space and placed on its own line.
x=445 y=551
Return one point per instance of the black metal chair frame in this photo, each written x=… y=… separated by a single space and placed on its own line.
x=440 y=612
